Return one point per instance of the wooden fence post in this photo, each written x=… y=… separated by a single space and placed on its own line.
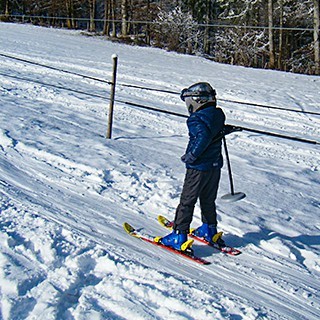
x=112 y=95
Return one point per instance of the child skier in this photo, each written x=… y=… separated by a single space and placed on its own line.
x=203 y=161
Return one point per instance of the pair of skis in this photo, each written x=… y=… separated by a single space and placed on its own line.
x=188 y=251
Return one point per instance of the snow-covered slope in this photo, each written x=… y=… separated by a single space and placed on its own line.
x=65 y=190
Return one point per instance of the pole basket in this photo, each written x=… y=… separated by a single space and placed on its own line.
x=233 y=197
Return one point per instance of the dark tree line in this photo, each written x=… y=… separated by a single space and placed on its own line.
x=276 y=34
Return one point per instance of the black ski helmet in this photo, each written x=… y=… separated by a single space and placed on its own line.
x=197 y=95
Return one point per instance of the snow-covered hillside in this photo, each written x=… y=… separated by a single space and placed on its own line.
x=66 y=191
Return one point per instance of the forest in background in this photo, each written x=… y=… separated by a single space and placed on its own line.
x=275 y=34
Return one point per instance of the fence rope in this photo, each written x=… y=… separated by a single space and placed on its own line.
x=205 y=25
x=273 y=134
x=147 y=107
x=155 y=89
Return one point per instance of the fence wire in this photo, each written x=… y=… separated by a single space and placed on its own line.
x=132 y=104
x=154 y=89
x=145 y=22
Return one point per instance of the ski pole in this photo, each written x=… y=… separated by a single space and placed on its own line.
x=230 y=197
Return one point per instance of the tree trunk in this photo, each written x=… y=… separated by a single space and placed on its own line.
x=271 y=42
x=113 y=15
x=7 y=8
x=280 y=57
x=124 y=13
x=206 y=35
x=70 y=14
x=148 y=36
x=92 y=13
x=109 y=17
x=316 y=36
x=106 y=27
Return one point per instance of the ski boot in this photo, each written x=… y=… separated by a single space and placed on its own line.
x=210 y=234
x=176 y=240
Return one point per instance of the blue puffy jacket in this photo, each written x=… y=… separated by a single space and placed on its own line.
x=204 y=125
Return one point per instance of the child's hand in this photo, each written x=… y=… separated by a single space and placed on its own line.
x=188 y=158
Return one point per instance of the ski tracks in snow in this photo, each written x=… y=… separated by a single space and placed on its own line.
x=49 y=271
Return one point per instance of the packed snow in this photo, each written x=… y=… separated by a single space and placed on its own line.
x=66 y=190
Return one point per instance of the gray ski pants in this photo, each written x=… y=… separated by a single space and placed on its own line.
x=202 y=185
